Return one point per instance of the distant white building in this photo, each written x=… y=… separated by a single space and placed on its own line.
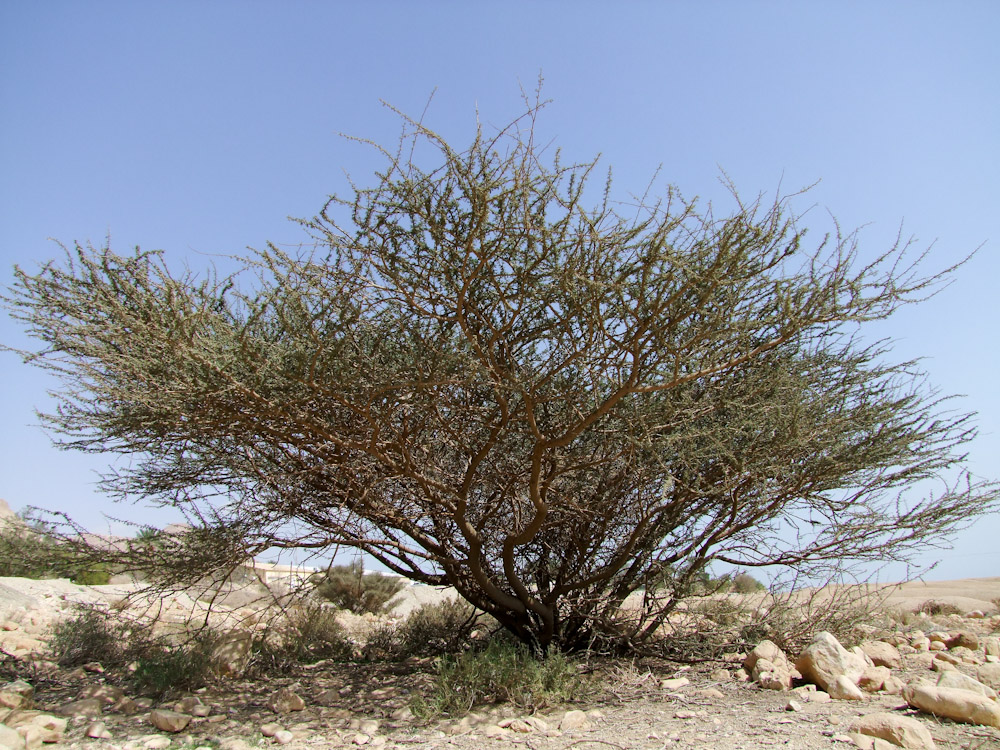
x=268 y=573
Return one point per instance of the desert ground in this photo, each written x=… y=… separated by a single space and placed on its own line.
x=640 y=703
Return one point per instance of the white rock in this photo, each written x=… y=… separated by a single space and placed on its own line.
x=989 y=674
x=951 y=703
x=956 y=679
x=270 y=729
x=674 y=683
x=169 y=721
x=823 y=660
x=283 y=736
x=843 y=688
x=98 y=731
x=574 y=720
x=10 y=739
x=17 y=694
x=873 y=679
x=902 y=731
x=285 y=701
x=882 y=654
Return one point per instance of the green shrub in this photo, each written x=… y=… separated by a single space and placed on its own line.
x=442 y=628
x=504 y=672
x=350 y=588
x=163 y=669
x=93 y=635
x=744 y=583
x=27 y=552
x=934 y=608
x=307 y=633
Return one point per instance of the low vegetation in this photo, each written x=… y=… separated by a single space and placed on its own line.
x=502 y=672
x=350 y=588
x=28 y=551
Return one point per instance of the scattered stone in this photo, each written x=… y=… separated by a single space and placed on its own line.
x=157 y=742
x=843 y=688
x=88 y=708
x=866 y=742
x=17 y=694
x=956 y=679
x=873 y=679
x=893 y=685
x=882 y=654
x=764 y=650
x=492 y=730
x=721 y=675
x=285 y=701
x=991 y=646
x=674 y=683
x=902 y=731
x=231 y=654
x=98 y=731
x=825 y=659
x=793 y=705
x=368 y=726
x=125 y=706
x=270 y=729
x=574 y=720
x=94 y=667
x=951 y=703
x=989 y=674
x=169 y=721
x=10 y=739
x=964 y=639
x=105 y=693
x=283 y=736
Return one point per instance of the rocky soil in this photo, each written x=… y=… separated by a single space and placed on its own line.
x=899 y=684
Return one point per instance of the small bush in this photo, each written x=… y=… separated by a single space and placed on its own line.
x=162 y=669
x=934 y=608
x=502 y=673
x=744 y=583
x=92 y=635
x=350 y=588
x=307 y=633
x=435 y=629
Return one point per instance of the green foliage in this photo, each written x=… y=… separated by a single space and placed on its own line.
x=161 y=668
x=934 y=608
x=306 y=633
x=350 y=588
x=504 y=672
x=489 y=375
x=442 y=628
x=744 y=583
x=94 y=635
x=27 y=551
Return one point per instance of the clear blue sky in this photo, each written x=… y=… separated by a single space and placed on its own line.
x=197 y=128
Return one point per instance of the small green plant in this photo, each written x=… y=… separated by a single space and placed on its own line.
x=26 y=551
x=93 y=635
x=442 y=628
x=504 y=672
x=308 y=632
x=744 y=583
x=162 y=668
x=935 y=608
x=350 y=588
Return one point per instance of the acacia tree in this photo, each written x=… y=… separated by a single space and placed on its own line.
x=482 y=379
